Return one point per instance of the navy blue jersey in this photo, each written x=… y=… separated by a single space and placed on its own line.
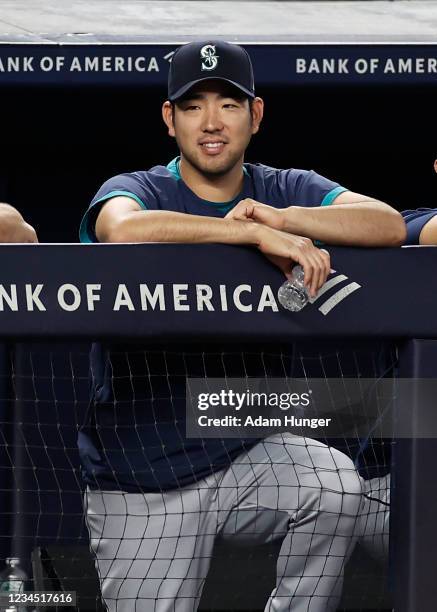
x=134 y=435
x=133 y=438
x=162 y=188
x=415 y=221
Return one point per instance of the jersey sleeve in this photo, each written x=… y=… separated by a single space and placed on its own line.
x=307 y=188
x=415 y=221
x=132 y=185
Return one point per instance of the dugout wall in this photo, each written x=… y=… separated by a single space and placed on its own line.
x=45 y=375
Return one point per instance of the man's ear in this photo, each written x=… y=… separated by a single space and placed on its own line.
x=435 y=166
x=257 y=110
x=167 y=115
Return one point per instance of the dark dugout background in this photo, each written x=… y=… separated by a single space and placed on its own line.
x=59 y=143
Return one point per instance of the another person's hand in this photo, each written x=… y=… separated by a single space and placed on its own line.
x=251 y=210
x=285 y=249
x=13 y=228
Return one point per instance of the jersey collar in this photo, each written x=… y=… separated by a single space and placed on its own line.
x=173 y=168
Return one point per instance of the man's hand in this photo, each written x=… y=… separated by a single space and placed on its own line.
x=251 y=210
x=284 y=250
x=351 y=219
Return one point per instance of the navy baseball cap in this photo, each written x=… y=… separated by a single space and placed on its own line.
x=214 y=59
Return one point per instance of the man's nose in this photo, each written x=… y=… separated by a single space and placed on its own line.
x=212 y=121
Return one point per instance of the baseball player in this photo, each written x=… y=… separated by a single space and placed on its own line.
x=13 y=227
x=156 y=501
x=421 y=223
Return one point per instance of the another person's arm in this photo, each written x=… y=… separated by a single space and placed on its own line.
x=121 y=219
x=421 y=226
x=428 y=235
x=13 y=227
x=351 y=220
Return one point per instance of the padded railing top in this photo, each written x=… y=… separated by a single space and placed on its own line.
x=165 y=292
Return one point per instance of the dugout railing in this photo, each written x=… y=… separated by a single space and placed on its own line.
x=56 y=299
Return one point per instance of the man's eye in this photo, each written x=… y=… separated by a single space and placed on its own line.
x=191 y=107
x=230 y=105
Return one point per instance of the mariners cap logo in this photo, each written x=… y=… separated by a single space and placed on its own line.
x=209 y=57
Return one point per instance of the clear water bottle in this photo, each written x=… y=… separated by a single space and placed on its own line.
x=293 y=295
x=13 y=579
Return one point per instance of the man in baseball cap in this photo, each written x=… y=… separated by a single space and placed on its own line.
x=197 y=62
x=155 y=508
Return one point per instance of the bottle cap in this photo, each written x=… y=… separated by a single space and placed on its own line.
x=12 y=561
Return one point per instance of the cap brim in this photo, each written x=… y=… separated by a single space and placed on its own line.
x=183 y=90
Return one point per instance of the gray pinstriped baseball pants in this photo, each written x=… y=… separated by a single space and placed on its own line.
x=153 y=550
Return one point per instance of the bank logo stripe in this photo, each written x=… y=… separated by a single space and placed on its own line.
x=338 y=297
x=327 y=286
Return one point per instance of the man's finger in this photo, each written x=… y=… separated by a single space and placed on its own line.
x=236 y=214
x=321 y=270
x=304 y=261
x=327 y=262
x=317 y=277
x=260 y=213
x=325 y=268
x=249 y=209
x=321 y=273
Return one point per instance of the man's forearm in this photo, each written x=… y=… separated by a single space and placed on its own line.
x=369 y=223
x=167 y=226
x=118 y=222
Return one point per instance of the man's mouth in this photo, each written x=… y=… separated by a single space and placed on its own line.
x=212 y=148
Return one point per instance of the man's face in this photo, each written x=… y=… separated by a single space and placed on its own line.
x=213 y=126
